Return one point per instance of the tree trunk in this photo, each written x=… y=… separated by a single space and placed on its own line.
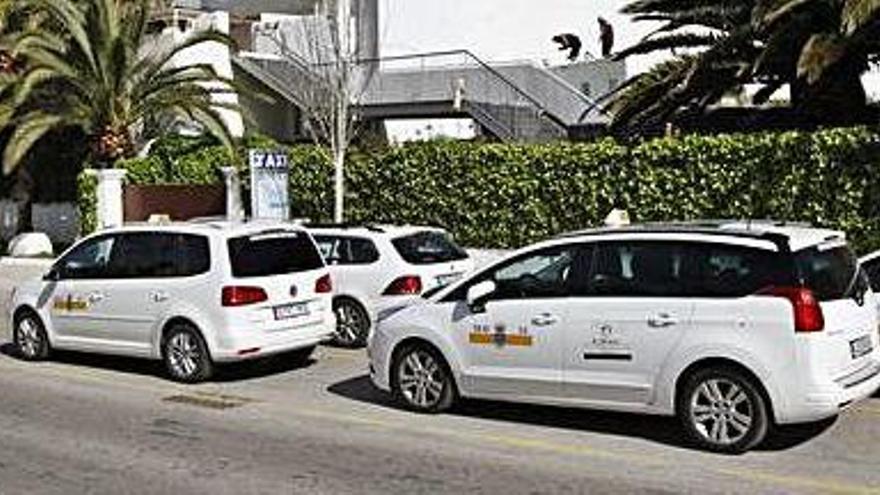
x=837 y=99
x=339 y=184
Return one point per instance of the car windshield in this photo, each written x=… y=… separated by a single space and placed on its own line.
x=273 y=253
x=428 y=247
x=831 y=273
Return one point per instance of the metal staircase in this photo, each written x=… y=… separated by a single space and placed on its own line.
x=514 y=102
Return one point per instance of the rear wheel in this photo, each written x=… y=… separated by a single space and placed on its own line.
x=422 y=381
x=352 y=323
x=722 y=410
x=186 y=355
x=29 y=337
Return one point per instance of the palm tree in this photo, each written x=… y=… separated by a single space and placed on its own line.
x=89 y=70
x=820 y=48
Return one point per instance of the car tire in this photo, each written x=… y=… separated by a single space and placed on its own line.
x=30 y=337
x=723 y=410
x=422 y=381
x=352 y=324
x=186 y=355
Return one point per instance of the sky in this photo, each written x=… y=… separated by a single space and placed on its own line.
x=503 y=30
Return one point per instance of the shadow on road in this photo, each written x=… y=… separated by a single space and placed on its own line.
x=658 y=429
x=247 y=370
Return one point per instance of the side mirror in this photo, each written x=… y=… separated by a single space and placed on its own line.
x=477 y=294
x=53 y=275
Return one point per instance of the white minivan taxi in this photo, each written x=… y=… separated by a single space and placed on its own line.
x=733 y=327
x=191 y=295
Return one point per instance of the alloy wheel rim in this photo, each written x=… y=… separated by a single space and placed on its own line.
x=349 y=323
x=184 y=354
x=420 y=379
x=29 y=340
x=721 y=411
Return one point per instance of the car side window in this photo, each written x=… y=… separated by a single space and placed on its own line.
x=144 y=255
x=734 y=271
x=361 y=251
x=641 y=269
x=872 y=269
x=543 y=274
x=329 y=248
x=192 y=255
x=89 y=260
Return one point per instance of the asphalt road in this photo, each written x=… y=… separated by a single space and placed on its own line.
x=85 y=424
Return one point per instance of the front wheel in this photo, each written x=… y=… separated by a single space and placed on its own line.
x=186 y=355
x=29 y=337
x=722 y=410
x=422 y=381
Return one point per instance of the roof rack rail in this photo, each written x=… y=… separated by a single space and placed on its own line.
x=780 y=240
x=343 y=225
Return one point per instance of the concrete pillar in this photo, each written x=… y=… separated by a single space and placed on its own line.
x=109 y=194
x=234 y=207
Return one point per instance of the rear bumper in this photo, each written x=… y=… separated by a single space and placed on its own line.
x=829 y=399
x=244 y=348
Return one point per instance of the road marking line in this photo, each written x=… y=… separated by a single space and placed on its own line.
x=818 y=484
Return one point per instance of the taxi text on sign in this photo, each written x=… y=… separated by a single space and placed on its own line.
x=269 y=184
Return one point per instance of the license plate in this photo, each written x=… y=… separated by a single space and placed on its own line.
x=444 y=280
x=861 y=346
x=291 y=311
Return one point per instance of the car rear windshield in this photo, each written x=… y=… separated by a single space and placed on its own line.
x=273 y=253
x=424 y=248
x=831 y=273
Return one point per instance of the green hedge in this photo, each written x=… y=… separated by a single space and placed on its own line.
x=501 y=195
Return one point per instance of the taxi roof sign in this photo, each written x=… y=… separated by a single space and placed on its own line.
x=617 y=218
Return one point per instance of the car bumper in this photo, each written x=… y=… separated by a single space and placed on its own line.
x=379 y=359
x=831 y=398
x=276 y=342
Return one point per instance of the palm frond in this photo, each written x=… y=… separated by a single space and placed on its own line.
x=33 y=126
x=668 y=42
x=858 y=14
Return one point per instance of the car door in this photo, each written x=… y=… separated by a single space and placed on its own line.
x=632 y=312
x=78 y=294
x=144 y=266
x=511 y=343
x=356 y=268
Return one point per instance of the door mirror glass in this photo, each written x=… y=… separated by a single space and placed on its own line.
x=477 y=294
x=53 y=275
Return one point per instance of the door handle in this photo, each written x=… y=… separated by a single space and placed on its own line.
x=95 y=297
x=544 y=320
x=662 y=320
x=159 y=296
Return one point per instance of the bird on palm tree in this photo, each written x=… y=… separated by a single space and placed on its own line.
x=87 y=68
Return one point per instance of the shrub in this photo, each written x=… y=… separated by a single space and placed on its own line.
x=508 y=195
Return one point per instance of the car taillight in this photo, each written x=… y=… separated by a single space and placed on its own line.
x=324 y=285
x=243 y=296
x=807 y=312
x=409 y=285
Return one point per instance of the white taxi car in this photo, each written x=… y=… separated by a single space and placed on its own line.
x=191 y=295
x=379 y=268
x=731 y=327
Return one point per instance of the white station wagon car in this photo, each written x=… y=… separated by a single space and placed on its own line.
x=378 y=268
x=191 y=295
x=731 y=327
